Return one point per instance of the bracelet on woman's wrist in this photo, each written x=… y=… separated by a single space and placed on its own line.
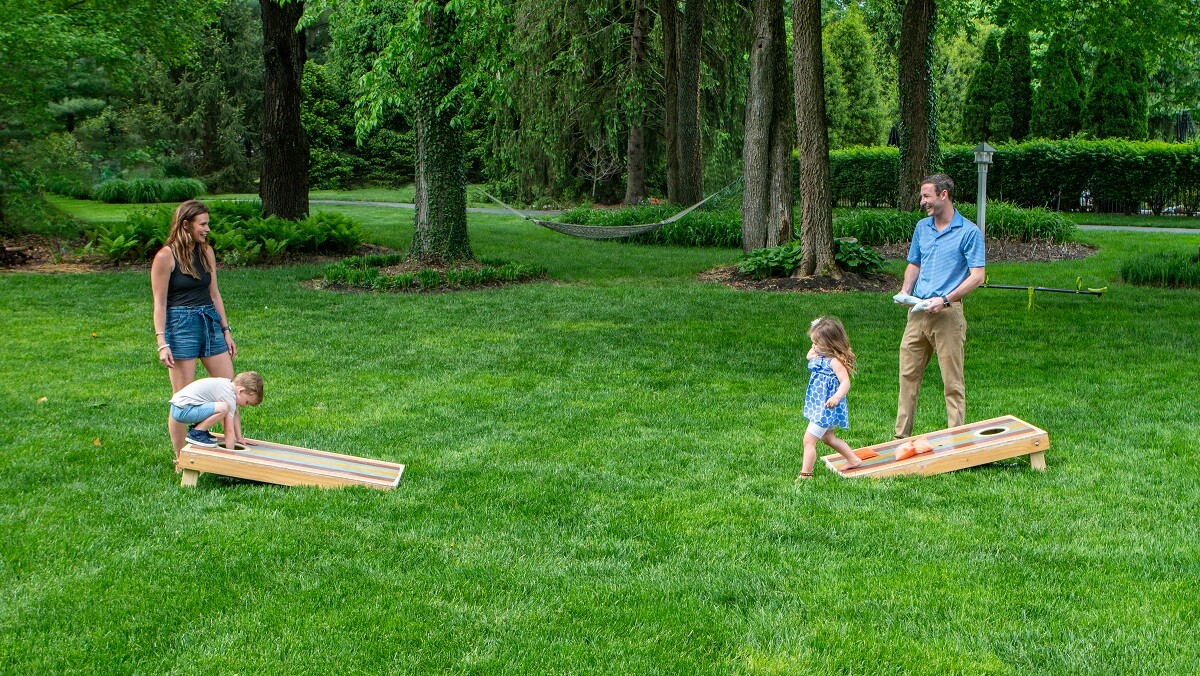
x=227 y=328
x=163 y=347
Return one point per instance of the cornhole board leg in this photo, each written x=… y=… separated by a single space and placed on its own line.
x=287 y=466
x=955 y=448
x=1038 y=460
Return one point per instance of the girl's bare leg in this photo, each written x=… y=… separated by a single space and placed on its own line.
x=810 y=456
x=842 y=448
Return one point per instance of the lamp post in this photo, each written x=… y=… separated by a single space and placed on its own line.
x=983 y=157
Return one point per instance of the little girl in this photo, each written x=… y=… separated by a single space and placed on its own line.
x=832 y=362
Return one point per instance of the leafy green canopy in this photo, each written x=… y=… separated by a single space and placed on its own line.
x=45 y=39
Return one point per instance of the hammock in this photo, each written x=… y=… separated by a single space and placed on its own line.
x=606 y=231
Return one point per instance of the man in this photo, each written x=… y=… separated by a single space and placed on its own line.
x=946 y=261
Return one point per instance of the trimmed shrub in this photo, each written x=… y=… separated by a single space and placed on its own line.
x=1119 y=175
x=1004 y=221
x=1169 y=270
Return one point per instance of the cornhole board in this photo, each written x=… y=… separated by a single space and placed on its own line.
x=287 y=466
x=955 y=448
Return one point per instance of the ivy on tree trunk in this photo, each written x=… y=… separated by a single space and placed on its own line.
x=284 y=180
x=669 y=16
x=440 y=234
x=635 y=171
x=691 y=44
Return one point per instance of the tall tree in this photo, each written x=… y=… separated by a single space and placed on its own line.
x=668 y=16
x=852 y=64
x=816 y=224
x=439 y=66
x=918 y=105
x=1116 y=103
x=284 y=184
x=1001 y=121
x=690 y=146
x=1059 y=99
x=635 y=149
x=767 y=201
x=977 y=109
x=1014 y=48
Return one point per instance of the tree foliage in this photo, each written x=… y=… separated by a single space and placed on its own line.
x=1059 y=99
x=852 y=83
x=1116 y=103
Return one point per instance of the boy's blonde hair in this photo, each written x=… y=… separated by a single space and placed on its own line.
x=829 y=333
x=252 y=383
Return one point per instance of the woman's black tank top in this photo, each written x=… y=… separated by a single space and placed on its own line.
x=185 y=290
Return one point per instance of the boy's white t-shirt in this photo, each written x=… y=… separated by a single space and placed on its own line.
x=207 y=390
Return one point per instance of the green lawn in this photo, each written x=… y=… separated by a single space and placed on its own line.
x=599 y=479
x=1190 y=222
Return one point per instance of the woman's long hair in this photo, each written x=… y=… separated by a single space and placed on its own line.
x=828 y=333
x=181 y=242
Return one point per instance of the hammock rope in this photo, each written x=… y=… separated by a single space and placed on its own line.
x=607 y=231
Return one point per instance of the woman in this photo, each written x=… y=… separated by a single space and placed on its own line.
x=189 y=316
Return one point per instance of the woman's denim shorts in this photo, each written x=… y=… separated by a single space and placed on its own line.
x=193 y=414
x=194 y=332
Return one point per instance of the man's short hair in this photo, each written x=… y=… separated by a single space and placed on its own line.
x=940 y=182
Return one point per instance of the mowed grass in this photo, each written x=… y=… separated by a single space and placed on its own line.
x=599 y=479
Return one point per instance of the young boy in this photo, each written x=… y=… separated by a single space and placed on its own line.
x=208 y=401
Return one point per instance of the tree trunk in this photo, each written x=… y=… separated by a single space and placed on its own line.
x=284 y=184
x=816 y=225
x=767 y=203
x=691 y=43
x=669 y=16
x=440 y=235
x=918 y=105
x=635 y=151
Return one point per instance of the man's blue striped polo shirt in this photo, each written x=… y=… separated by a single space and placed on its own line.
x=945 y=257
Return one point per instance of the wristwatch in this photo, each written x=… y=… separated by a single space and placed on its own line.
x=945 y=301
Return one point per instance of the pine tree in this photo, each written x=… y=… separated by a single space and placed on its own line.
x=1116 y=104
x=1014 y=48
x=1059 y=99
x=977 y=109
x=1000 y=123
x=849 y=61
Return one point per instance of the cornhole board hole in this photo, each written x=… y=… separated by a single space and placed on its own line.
x=287 y=466
x=955 y=448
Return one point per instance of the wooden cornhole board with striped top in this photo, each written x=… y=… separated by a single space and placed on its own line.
x=955 y=448
x=287 y=466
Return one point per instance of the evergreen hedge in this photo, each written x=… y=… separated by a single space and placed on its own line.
x=1120 y=175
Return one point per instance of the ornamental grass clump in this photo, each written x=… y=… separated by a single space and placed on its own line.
x=369 y=272
x=1168 y=269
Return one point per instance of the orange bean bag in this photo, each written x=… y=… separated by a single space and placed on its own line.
x=922 y=445
x=905 y=451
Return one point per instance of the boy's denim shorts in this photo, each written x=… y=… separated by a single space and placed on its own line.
x=194 y=332
x=192 y=414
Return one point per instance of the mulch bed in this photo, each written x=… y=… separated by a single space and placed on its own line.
x=998 y=251
x=40 y=253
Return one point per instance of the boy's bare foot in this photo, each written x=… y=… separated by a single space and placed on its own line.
x=851 y=464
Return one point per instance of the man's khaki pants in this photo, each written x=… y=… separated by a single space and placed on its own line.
x=944 y=333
